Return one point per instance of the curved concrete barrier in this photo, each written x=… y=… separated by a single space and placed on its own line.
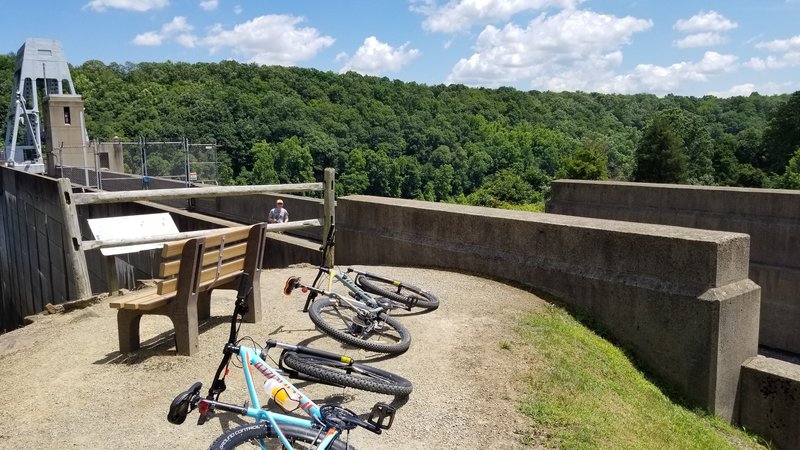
x=678 y=298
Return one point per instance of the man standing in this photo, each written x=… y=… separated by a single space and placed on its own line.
x=278 y=214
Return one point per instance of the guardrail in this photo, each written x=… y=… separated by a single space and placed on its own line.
x=72 y=200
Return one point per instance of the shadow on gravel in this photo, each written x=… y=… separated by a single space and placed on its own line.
x=162 y=344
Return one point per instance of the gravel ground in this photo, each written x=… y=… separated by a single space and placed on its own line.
x=66 y=385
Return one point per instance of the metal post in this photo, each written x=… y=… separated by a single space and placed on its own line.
x=83 y=144
x=186 y=157
x=329 y=210
x=97 y=177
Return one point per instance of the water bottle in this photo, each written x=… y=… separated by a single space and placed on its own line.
x=279 y=394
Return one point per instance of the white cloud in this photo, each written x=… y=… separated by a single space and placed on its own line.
x=209 y=5
x=272 y=39
x=781 y=45
x=771 y=62
x=705 y=21
x=177 y=27
x=706 y=39
x=748 y=88
x=129 y=5
x=735 y=91
x=150 y=38
x=237 y=9
x=787 y=54
x=375 y=57
x=660 y=79
x=457 y=15
x=186 y=40
x=576 y=43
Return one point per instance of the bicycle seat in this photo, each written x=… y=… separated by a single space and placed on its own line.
x=180 y=407
x=291 y=284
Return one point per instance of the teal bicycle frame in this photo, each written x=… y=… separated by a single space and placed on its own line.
x=251 y=360
x=327 y=421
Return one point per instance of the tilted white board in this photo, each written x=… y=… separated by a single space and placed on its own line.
x=127 y=227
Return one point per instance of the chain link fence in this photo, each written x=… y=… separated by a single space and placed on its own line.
x=179 y=160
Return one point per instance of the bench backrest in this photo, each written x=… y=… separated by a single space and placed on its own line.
x=219 y=257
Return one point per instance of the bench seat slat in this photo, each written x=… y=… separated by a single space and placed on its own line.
x=147 y=299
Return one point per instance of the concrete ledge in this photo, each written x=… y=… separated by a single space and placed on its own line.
x=770 y=395
x=770 y=216
x=283 y=250
x=678 y=298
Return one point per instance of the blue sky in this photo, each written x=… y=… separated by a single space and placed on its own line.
x=683 y=47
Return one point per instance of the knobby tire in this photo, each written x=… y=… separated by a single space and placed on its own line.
x=408 y=295
x=360 y=376
x=249 y=434
x=325 y=309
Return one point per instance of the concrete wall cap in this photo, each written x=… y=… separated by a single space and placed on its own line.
x=643 y=229
x=774 y=366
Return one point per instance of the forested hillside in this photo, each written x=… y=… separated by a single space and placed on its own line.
x=481 y=146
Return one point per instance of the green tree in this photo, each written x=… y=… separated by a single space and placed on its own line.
x=589 y=162
x=285 y=162
x=724 y=160
x=354 y=179
x=505 y=186
x=782 y=136
x=749 y=176
x=791 y=177
x=660 y=157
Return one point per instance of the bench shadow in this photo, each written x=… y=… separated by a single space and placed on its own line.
x=160 y=345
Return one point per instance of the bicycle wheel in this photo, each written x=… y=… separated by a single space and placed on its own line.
x=342 y=322
x=397 y=291
x=359 y=376
x=261 y=435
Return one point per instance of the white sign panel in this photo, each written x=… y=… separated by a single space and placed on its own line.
x=128 y=227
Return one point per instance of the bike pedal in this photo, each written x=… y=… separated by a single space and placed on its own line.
x=382 y=415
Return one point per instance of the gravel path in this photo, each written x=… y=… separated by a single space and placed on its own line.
x=66 y=384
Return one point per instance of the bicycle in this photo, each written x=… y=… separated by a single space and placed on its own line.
x=362 y=320
x=324 y=426
x=397 y=291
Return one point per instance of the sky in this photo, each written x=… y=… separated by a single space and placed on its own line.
x=682 y=47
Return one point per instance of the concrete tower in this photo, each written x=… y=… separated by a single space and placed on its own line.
x=41 y=71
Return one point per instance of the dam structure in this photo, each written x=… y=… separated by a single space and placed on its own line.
x=684 y=298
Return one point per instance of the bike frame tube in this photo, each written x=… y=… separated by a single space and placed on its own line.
x=377 y=277
x=251 y=360
x=362 y=296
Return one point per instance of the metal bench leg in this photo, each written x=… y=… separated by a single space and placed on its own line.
x=128 y=326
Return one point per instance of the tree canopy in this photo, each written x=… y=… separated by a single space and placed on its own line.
x=440 y=142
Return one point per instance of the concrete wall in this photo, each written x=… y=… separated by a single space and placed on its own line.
x=770 y=395
x=679 y=299
x=770 y=216
x=254 y=209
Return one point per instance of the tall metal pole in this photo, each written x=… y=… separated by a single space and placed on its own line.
x=84 y=144
x=329 y=210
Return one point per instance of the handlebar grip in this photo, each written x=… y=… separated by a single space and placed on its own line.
x=241 y=292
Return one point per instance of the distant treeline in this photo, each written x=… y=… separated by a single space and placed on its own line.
x=492 y=147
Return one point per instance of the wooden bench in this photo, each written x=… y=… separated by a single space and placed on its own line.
x=190 y=270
